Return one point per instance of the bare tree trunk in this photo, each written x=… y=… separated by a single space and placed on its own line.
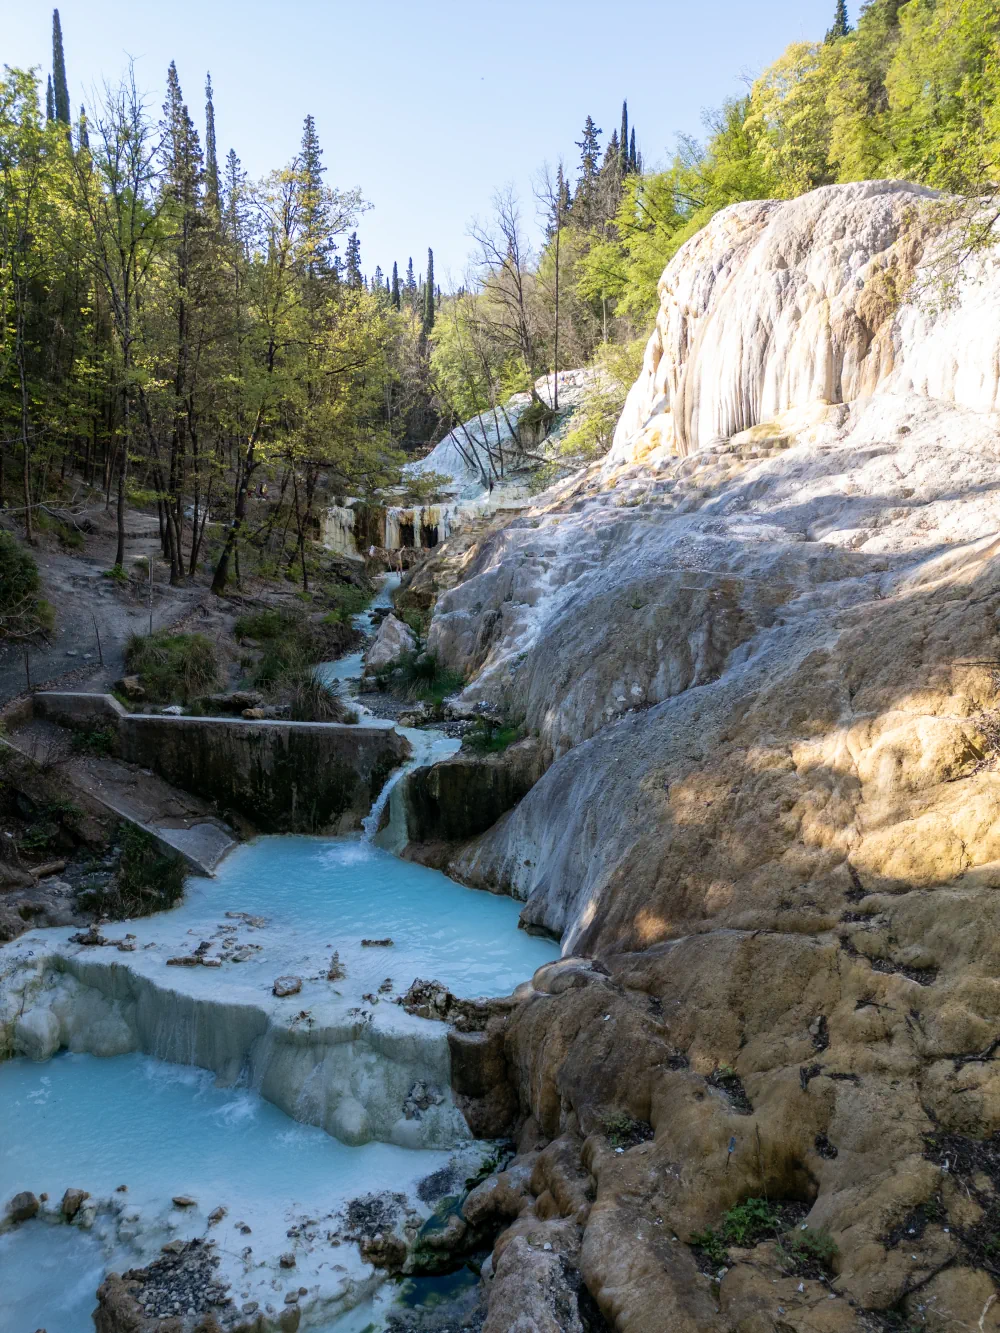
x=247 y=466
x=25 y=430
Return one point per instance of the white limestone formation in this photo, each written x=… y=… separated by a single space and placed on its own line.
x=825 y=299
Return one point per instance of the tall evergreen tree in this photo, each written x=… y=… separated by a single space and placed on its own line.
x=211 y=156
x=562 y=194
x=429 y=312
x=316 y=222
x=182 y=178
x=83 y=138
x=60 y=88
x=841 y=26
x=394 y=290
x=634 y=165
x=590 y=149
x=50 y=101
x=411 y=285
x=626 y=166
x=352 y=265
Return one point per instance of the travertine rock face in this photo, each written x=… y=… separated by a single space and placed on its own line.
x=760 y=647
x=391 y=642
x=780 y=305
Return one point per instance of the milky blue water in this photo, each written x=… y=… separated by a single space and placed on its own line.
x=319 y=893
x=163 y=1130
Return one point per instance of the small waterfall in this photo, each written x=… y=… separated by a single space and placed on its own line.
x=372 y=820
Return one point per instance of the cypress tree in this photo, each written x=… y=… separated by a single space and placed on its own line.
x=411 y=285
x=633 y=156
x=211 y=156
x=50 y=102
x=82 y=135
x=623 y=142
x=841 y=27
x=60 y=88
x=394 y=292
x=429 y=294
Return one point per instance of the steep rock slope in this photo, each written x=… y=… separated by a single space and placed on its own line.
x=765 y=666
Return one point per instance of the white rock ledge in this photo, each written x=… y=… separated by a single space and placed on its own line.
x=345 y=1067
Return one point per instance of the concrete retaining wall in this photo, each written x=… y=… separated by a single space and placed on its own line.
x=285 y=777
x=80 y=711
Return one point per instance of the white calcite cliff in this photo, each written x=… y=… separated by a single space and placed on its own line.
x=782 y=305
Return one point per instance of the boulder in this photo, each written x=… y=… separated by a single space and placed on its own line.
x=72 y=1202
x=393 y=640
x=131 y=686
x=23 y=1206
x=287 y=986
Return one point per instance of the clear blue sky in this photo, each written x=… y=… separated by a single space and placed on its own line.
x=427 y=107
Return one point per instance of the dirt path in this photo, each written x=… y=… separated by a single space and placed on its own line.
x=75 y=586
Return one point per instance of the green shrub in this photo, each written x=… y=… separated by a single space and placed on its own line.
x=807 y=1253
x=292 y=645
x=100 y=741
x=69 y=537
x=712 y=1245
x=419 y=675
x=745 y=1224
x=312 y=701
x=261 y=625
x=172 y=666
x=750 y=1221
x=22 y=612
x=148 y=880
x=624 y=1131
x=118 y=573
x=486 y=738
x=346 y=600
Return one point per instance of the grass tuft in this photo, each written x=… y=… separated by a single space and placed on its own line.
x=172 y=667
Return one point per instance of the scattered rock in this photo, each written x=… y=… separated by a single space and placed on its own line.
x=131 y=686
x=184 y=1201
x=237 y=702
x=72 y=1201
x=287 y=1261
x=287 y=986
x=23 y=1206
x=377 y=944
x=337 y=970
x=216 y=1216
x=91 y=936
